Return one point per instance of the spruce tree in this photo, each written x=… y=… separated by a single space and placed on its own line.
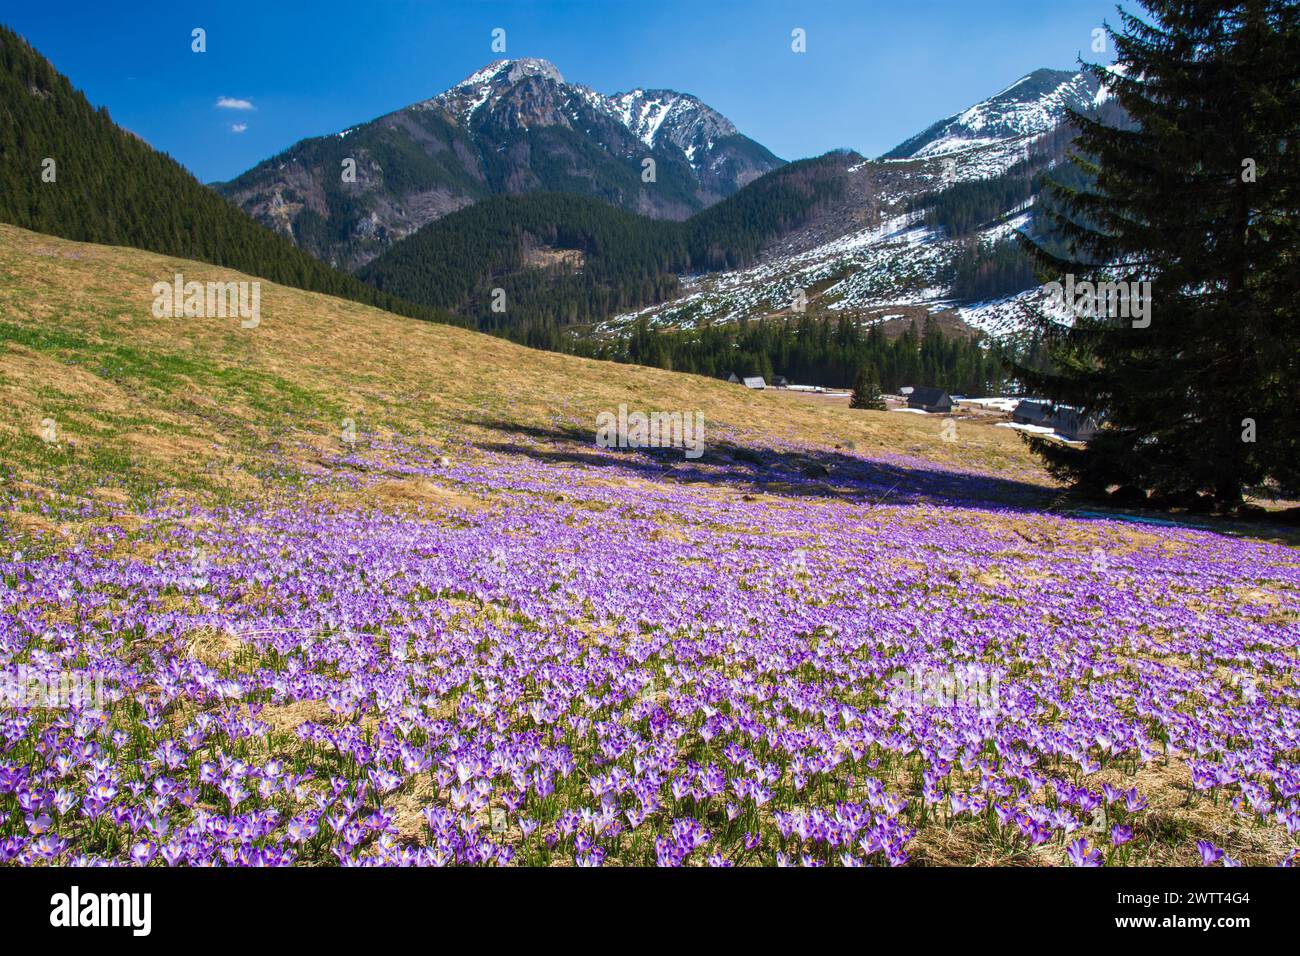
x=866 y=390
x=1199 y=196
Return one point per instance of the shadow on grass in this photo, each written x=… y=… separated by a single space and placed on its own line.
x=766 y=470
x=844 y=475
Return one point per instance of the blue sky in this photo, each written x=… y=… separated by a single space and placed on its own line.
x=874 y=72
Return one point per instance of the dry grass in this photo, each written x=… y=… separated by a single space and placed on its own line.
x=80 y=345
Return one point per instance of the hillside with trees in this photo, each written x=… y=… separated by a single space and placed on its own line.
x=66 y=169
x=513 y=127
x=620 y=260
x=813 y=351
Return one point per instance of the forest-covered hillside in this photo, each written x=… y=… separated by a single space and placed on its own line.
x=66 y=169
x=562 y=260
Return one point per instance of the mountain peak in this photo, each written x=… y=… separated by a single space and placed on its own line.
x=491 y=81
x=1029 y=86
x=1034 y=104
x=512 y=71
x=653 y=115
x=513 y=126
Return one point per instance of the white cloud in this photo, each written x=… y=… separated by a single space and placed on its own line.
x=230 y=103
x=238 y=127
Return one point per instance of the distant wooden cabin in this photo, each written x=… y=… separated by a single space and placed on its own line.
x=780 y=381
x=1067 y=422
x=756 y=382
x=1072 y=424
x=733 y=378
x=1032 y=413
x=930 y=400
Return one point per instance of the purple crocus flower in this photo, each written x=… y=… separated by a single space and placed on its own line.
x=1210 y=854
x=1080 y=855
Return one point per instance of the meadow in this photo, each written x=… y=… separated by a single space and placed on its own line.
x=355 y=589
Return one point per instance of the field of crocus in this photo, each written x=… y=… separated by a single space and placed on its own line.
x=573 y=664
x=493 y=643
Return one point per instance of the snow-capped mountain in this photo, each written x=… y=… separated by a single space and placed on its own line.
x=482 y=87
x=882 y=255
x=514 y=126
x=652 y=116
x=1033 y=105
x=656 y=116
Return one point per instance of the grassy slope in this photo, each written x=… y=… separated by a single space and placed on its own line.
x=138 y=400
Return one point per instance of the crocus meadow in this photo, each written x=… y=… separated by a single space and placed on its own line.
x=530 y=659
